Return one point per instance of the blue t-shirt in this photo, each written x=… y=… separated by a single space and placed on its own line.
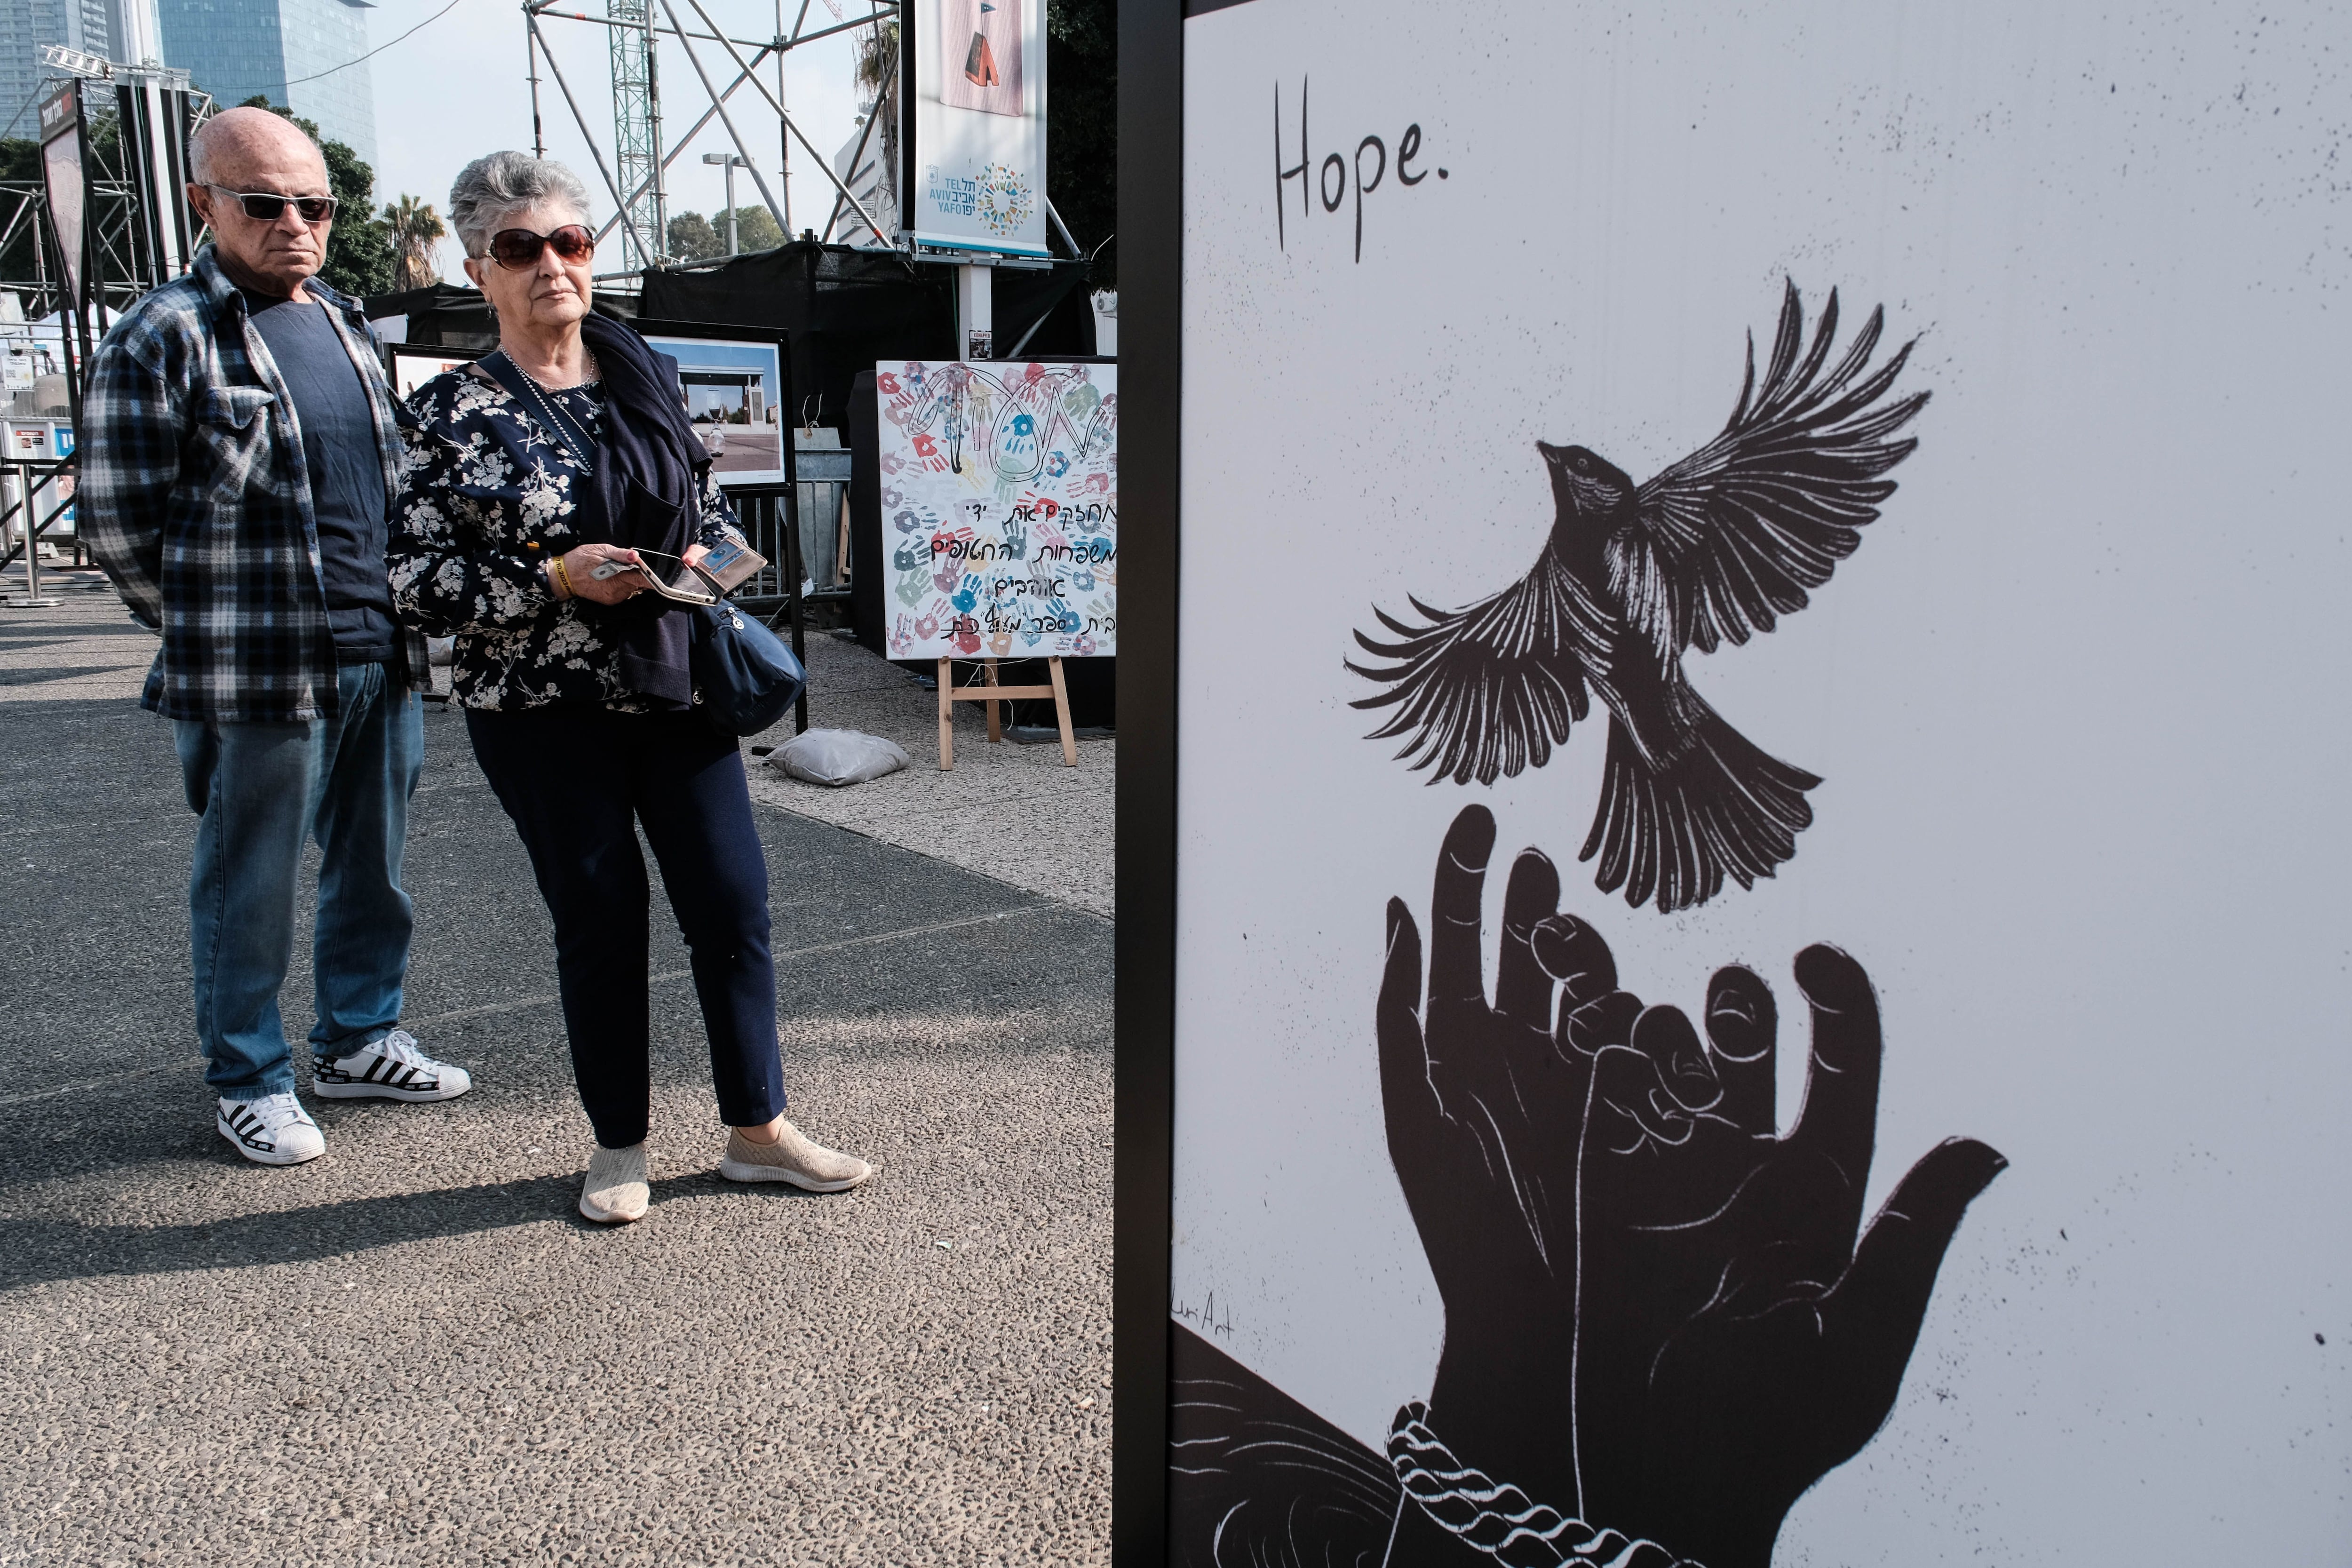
x=331 y=404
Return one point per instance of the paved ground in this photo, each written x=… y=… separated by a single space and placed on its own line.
x=411 y=1351
x=1013 y=811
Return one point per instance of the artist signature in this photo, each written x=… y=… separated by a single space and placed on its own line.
x=1206 y=1316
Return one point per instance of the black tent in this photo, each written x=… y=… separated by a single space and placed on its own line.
x=846 y=308
x=452 y=316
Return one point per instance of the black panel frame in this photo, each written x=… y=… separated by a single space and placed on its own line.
x=1150 y=226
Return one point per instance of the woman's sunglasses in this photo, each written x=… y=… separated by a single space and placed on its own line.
x=519 y=247
x=264 y=206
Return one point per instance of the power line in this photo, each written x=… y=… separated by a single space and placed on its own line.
x=381 y=48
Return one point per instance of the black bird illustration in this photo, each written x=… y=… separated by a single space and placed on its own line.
x=1716 y=548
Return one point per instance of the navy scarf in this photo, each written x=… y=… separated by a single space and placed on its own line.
x=644 y=494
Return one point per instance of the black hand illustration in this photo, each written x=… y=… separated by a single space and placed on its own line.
x=1663 y=1321
x=1736 y=1339
x=1484 y=1107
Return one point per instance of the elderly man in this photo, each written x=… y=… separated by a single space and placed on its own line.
x=237 y=455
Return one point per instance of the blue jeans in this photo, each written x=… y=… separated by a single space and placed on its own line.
x=259 y=790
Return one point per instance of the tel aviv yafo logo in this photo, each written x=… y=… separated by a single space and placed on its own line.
x=1005 y=201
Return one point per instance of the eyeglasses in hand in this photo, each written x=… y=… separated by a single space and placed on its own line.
x=265 y=207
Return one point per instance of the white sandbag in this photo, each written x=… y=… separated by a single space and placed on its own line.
x=837 y=757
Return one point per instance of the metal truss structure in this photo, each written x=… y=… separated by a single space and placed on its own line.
x=107 y=223
x=635 y=175
x=636 y=122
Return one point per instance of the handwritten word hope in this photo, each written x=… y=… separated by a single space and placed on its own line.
x=1331 y=181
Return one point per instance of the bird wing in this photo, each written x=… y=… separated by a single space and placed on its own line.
x=1489 y=689
x=1726 y=541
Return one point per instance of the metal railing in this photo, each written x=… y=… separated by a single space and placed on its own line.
x=26 y=487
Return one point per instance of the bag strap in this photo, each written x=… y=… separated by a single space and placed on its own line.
x=525 y=391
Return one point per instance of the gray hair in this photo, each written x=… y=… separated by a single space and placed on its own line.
x=488 y=188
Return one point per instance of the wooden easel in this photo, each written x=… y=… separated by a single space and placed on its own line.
x=987 y=691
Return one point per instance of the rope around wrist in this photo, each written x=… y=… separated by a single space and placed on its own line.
x=1499 y=1519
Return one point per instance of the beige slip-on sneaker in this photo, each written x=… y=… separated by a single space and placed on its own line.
x=791 y=1158
x=615 y=1192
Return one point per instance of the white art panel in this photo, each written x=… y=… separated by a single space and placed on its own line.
x=1992 y=636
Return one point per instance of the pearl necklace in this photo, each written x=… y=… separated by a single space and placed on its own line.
x=594 y=373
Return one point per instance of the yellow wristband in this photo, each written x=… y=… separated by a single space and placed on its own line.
x=563 y=576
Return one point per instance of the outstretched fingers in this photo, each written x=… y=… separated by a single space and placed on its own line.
x=1457 y=977
x=1743 y=1025
x=1871 y=1319
x=1576 y=955
x=1665 y=1036
x=1839 y=1118
x=1408 y=1100
x=1593 y=1014
x=1523 y=987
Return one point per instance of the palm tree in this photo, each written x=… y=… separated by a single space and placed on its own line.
x=415 y=228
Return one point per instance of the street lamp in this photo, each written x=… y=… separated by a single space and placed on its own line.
x=730 y=162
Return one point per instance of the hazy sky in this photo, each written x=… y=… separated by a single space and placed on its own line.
x=458 y=89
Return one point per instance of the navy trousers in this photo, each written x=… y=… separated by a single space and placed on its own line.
x=578 y=781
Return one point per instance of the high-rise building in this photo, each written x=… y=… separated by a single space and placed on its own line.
x=26 y=25
x=236 y=48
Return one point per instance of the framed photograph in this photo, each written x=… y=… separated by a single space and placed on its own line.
x=737 y=387
x=410 y=365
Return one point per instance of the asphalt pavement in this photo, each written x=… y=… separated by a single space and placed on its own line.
x=413 y=1350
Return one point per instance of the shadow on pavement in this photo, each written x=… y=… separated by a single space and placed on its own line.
x=43 y=1249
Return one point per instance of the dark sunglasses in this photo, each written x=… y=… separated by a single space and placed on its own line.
x=264 y=206
x=519 y=247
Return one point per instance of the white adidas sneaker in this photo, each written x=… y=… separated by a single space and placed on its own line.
x=394 y=1068
x=272 y=1130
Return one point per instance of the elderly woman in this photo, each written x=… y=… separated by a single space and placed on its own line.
x=545 y=482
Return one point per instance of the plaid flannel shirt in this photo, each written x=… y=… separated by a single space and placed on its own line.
x=195 y=497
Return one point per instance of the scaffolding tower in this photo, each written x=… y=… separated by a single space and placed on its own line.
x=636 y=130
x=635 y=175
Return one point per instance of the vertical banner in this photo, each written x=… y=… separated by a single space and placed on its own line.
x=976 y=152
x=63 y=181
x=1746 y=962
x=999 y=495
x=154 y=121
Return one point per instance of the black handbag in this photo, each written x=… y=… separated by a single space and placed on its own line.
x=745 y=678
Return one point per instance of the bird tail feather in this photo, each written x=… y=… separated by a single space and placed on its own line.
x=1719 y=806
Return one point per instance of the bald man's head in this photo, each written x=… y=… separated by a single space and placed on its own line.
x=251 y=151
x=226 y=148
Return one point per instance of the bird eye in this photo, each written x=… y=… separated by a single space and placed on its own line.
x=1582 y=467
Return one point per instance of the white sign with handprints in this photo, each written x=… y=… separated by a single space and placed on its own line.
x=1000 y=509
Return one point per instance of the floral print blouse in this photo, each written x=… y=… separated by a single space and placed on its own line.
x=483 y=482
